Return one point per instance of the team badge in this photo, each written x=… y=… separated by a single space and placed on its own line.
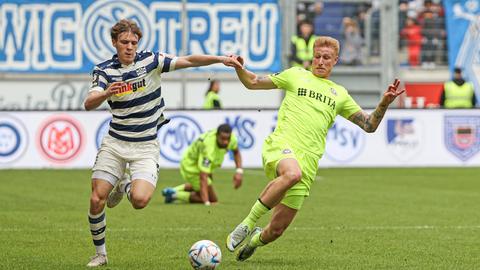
x=462 y=136
x=206 y=162
x=404 y=137
x=334 y=92
x=60 y=139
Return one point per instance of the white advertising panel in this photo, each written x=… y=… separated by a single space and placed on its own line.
x=406 y=138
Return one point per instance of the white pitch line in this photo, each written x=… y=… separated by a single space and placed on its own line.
x=319 y=228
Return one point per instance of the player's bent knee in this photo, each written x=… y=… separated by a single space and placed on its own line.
x=139 y=202
x=97 y=200
x=293 y=176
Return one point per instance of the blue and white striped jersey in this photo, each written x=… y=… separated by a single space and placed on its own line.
x=137 y=112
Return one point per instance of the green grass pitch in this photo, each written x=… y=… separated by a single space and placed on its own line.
x=354 y=219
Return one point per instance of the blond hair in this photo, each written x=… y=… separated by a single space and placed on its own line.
x=325 y=41
x=125 y=25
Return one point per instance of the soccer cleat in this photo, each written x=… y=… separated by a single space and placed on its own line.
x=236 y=237
x=98 y=260
x=246 y=251
x=116 y=195
x=168 y=194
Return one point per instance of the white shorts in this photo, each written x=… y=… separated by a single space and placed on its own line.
x=114 y=155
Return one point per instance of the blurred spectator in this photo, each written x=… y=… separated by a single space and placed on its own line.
x=302 y=46
x=412 y=34
x=305 y=11
x=458 y=93
x=212 y=99
x=433 y=32
x=351 y=53
x=327 y=20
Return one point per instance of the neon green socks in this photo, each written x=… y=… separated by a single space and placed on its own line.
x=257 y=211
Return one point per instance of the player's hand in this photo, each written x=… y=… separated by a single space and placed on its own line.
x=237 y=58
x=237 y=180
x=114 y=88
x=392 y=92
x=230 y=61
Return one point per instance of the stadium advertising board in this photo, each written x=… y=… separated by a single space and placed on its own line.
x=406 y=138
x=61 y=36
x=463 y=19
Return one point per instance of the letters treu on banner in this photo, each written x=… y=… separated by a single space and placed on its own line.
x=71 y=37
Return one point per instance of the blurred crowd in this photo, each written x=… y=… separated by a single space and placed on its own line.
x=357 y=27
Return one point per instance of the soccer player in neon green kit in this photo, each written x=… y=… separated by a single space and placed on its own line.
x=291 y=153
x=199 y=161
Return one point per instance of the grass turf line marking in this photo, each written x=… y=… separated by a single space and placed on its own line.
x=320 y=228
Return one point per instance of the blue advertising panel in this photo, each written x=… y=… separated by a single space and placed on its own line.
x=463 y=19
x=73 y=36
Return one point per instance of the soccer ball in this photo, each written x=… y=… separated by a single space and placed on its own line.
x=204 y=255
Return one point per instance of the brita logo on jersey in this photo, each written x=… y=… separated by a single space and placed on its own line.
x=175 y=137
x=462 y=136
x=345 y=141
x=60 y=139
x=13 y=139
x=404 y=137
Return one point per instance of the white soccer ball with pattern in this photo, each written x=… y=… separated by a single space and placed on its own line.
x=205 y=255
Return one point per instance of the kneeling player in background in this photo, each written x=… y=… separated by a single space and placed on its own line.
x=199 y=161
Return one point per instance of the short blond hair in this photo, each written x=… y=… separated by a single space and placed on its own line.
x=325 y=41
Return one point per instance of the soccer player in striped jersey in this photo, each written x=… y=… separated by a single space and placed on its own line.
x=199 y=161
x=291 y=153
x=131 y=84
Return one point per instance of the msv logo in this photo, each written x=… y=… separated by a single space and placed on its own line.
x=60 y=139
x=175 y=137
x=13 y=139
x=99 y=19
x=102 y=131
x=404 y=137
x=462 y=136
x=345 y=141
x=243 y=128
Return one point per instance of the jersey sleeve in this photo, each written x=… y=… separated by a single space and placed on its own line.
x=166 y=63
x=282 y=79
x=99 y=80
x=349 y=107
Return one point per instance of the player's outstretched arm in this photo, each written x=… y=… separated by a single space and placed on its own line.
x=370 y=122
x=251 y=80
x=205 y=60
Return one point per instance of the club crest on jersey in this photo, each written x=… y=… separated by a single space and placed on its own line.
x=206 y=162
x=462 y=136
x=333 y=91
x=141 y=71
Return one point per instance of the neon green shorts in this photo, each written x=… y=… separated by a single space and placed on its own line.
x=193 y=179
x=273 y=152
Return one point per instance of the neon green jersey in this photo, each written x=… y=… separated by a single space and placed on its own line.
x=308 y=109
x=204 y=155
x=212 y=101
